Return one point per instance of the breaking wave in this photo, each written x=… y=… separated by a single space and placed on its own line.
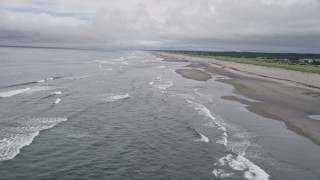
x=236 y=160
x=117 y=97
x=13 y=92
x=57 y=101
x=57 y=93
x=164 y=85
x=241 y=164
x=13 y=139
x=204 y=111
x=203 y=138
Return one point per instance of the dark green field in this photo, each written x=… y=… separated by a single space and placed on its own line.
x=298 y=62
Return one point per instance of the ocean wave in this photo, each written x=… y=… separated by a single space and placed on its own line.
x=117 y=97
x=159 y=77
x=203 y=138
x=38 y=88
x=13 y=92
x=145 y=61
x=223 y=139
x=57 y=93
x=185 y=96
x=239 y=163
x=41 y=81
x=204 y=111
x=34 y=82
x=17 y=137
x=222 y=173
x=57 y=101
x=44 y=80
x=78 y=78
x=108 y=69
x=115 y=61
x=164 y=85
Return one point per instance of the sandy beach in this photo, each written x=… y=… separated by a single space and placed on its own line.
x=288 y=96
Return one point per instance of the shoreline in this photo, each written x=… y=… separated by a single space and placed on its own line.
x=287 y=99
x=288 y=77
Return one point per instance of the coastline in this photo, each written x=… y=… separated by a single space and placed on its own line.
x=287 y=96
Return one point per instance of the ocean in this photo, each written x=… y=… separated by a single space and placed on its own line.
x=85 y=114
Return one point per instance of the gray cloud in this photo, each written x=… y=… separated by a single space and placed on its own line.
x=243 y=25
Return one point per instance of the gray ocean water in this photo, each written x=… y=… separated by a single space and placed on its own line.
x=80 y=114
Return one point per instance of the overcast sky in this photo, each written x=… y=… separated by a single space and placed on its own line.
x=238 y=25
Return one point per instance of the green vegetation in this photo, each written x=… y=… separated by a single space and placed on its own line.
x=298 y=62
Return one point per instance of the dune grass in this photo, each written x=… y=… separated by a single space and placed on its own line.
x=310 y=68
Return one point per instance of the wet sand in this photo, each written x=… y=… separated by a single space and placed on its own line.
x=288 y=96
x=194 y=74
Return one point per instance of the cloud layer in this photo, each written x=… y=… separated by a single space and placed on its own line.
x=241 y=25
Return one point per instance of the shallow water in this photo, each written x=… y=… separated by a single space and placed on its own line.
x=69 y=114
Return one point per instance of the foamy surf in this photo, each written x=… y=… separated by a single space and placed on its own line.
x=117 y=97
x=203 y=138
x=44 y=80
x=117 y=61
x=57 y=93
x=57 y=101
x=240 y=163
x=204 y=111
x=78 y=78
x=38 y=89
x=13 y=139
x=160 y=84
x=108 y=69
x=41 y=81
x=13 y=92
x=164 y=85
x=223 y=139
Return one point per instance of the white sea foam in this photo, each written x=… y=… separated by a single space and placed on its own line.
x=237 y=162
x=117 y=97
x=315 y=117
x=203 y=138
x=18 y=137
x=222 y=173
x=145 y=61
x=77 y=136
x=159 y=77
x=163 y=86
x=78 y=77
x=57 y=93
x=57 y=101
x=161 y=67
x=185 y=96
x=108 y=69
x=49 y=79
x=240 y=163
x=223 y=140
x=41 y=81
x=150 y=83
x=13 y=92
x=38 y=88
x=118 y=61
x=204 y=111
